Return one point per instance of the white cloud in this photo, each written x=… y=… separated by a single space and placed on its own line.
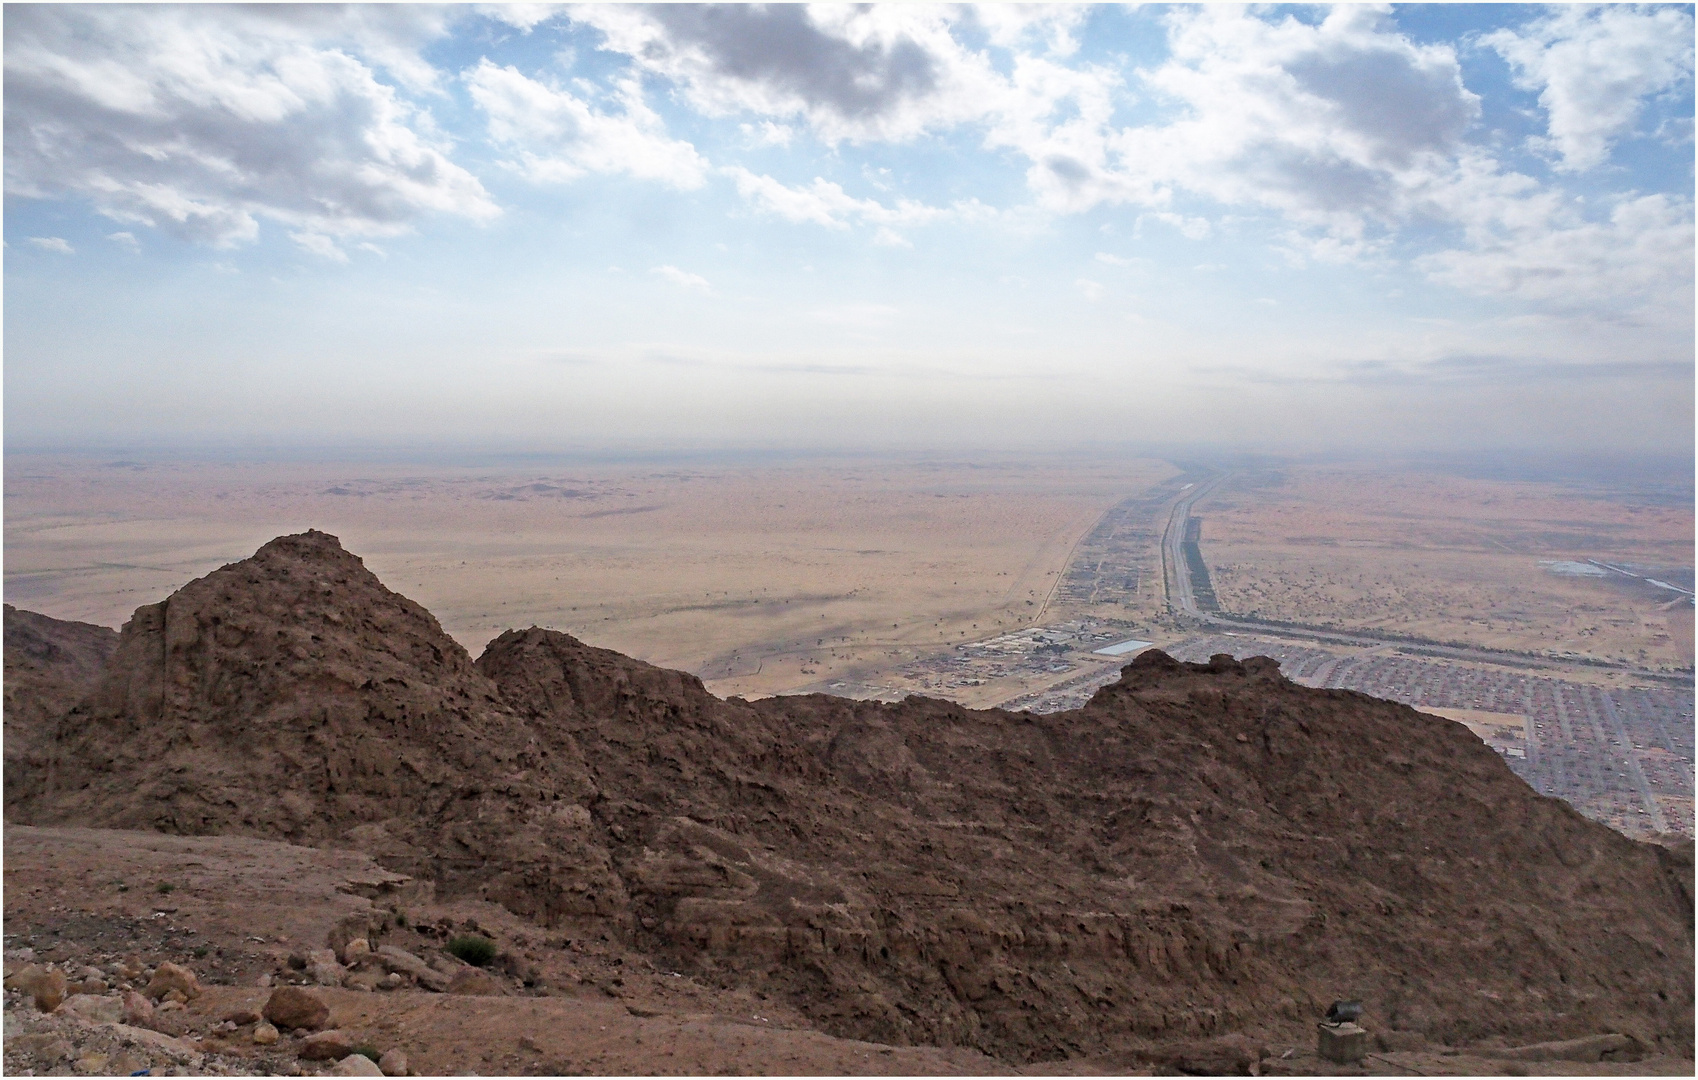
x=1192 y=228
x=319 y=244
x=57 y=245
x=521 y=16
x=1642 y=255
x=826 y=203
x=1594 y=68
x=201 y=121
x=1092 y=290
x=872 y=72
x=767 y=133
x=560 y=137
x=1113 y=260
x=683 y=278
x=1335 y=126
x=125 y=240
x=886 y=72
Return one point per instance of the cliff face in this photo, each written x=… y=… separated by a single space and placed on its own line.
x=292 y=696
x=50 y=665
x=1201 y=849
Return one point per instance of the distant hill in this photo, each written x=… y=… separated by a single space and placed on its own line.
x=1201 y=849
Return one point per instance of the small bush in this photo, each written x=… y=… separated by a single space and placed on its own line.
x=367 y=1051
x=401 y=919
x=165 y=888
x=472 y=948
x=201 y=951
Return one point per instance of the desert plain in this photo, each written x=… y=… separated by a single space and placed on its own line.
x=1456 y=558
x=759 y=577
x=775 y=575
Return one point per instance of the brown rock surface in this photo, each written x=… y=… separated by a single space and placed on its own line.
x=292 y=1008
x=50 y=665
x=1030 y=885
x=474 y=983
x=330 y=1045
x=356 y=1065
x=1202 y=850
x=292 y=696
x=50 y=990
x=169 y=977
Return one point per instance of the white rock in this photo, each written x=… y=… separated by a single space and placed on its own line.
x=356 y=1065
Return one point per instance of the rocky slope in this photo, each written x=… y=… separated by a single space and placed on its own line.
x=50 y=665
x=291 y=696
x=1201 y=849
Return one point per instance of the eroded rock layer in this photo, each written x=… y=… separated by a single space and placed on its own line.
x=1201 y=849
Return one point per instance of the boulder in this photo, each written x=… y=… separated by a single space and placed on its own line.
x=357 y=1065
x=241 y=1016
x=50 y=990
x=168 y=977
x=324 y=968
x=367 y=979
x=292 y=1007
x=265 y=1034
x=355 y=949
x=332 y=1045
x=95 y=1010
x=25 y=977
x=393 y=1062
x=138 y=1011
x=399 y=960
x=349 y=928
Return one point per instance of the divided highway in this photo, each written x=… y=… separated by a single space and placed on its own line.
x=1175 y=577
x=1180 y=601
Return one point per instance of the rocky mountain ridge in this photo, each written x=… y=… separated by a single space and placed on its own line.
x=1201 y=849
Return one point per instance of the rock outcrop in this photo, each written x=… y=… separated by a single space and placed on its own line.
x=291 y=696
x=1200 y=850
x=50 y=665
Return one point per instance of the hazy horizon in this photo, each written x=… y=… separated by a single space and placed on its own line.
x=1418 y=229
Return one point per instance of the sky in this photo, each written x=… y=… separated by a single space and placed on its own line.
x=1424 y=227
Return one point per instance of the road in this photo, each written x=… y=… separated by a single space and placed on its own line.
x=1175 y=578
x=1180 y=602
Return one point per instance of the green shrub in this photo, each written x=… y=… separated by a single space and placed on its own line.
x=401 y=919
x=472 y=948
x=367 y=1051
x=165 y=888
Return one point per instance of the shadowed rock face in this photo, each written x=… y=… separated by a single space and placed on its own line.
x=50 y=665
x=292 y=696
x=1201 y=849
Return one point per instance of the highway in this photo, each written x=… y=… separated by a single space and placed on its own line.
x=1180 y=602
x=1175 y=579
